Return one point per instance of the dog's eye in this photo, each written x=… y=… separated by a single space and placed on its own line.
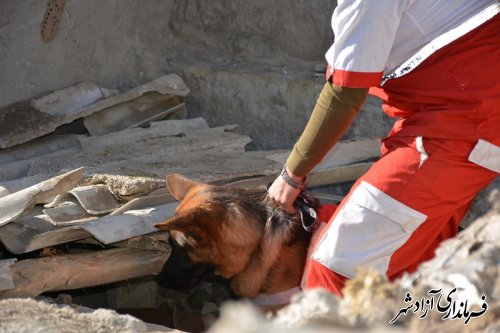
x=194 y=238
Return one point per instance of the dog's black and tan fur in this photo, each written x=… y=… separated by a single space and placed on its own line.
x=241 y=233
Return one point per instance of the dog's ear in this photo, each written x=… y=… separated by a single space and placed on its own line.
x=179 y=186
x=180 y=222
x=188 y=222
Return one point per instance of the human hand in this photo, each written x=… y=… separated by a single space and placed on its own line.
x=283 y=194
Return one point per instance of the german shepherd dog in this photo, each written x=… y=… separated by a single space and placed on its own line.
x=257 y=246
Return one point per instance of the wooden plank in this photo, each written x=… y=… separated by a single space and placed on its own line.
x=35 y=276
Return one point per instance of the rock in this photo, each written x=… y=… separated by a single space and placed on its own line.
x=127 y=186
x=29 y=315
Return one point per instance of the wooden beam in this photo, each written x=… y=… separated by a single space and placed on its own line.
x=35 y=276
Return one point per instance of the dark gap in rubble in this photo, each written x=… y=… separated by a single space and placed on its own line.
x=75 y=127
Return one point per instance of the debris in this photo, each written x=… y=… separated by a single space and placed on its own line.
x=96 y=199
x=152 y=200
x=125 y=187
x=33 y=232
x=119 y=108
x=15 y=204
x=211 y=154
x=114 y=228
x=134 y=113
x=23 y=121
x=68 y=213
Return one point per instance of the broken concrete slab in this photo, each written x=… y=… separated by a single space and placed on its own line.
x=6 y=281
x=33 y=232
x=156 y=199
x=216 y=154
x=42 y=115
x=157 y=129
x=12 y=186
x=68 y=213
x=134 y=113
x=46 y=145
x=24 y=121
x=95 y=199
x=159 y=89
x=114 y=228
x=66 y=272
x=14 y=205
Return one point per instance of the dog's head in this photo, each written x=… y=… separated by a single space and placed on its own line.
x=215 y=225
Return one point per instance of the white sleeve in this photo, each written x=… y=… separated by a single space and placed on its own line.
x=364 y=34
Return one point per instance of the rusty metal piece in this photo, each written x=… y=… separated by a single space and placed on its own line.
x=51 y=19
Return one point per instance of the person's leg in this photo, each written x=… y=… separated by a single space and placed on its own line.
x=399 y=211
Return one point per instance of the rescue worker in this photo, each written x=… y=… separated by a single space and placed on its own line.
x=435 y=64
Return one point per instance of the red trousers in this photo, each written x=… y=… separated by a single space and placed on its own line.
x=396 y=215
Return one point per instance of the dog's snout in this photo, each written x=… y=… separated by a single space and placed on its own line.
x=179 y=272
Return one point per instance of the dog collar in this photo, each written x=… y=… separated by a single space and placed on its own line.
x=280 y=298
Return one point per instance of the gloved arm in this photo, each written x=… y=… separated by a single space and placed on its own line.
x=333 y=114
